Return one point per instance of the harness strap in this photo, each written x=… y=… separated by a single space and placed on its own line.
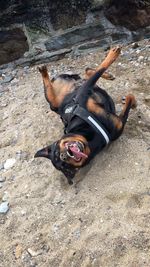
x=86 y=116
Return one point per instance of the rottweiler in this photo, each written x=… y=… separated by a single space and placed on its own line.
x=88 y=114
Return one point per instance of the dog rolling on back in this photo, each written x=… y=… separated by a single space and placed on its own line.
x=88 y=114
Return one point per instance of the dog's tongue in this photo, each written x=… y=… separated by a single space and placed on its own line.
x=78 y=154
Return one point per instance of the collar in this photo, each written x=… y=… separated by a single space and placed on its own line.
x=85 y=115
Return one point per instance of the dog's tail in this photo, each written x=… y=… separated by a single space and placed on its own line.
x=85 y=90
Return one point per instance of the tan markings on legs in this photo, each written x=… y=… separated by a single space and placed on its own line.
x=110 y=58
x=48 y=88
x=61 y=88
x=94 y=108
x=89 y=72
x=129 y=98
x=116 y=121
x=108 y=76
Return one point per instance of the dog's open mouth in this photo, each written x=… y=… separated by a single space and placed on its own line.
x=75 y=150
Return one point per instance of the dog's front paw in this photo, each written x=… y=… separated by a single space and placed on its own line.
x=114 y=53
x=130 y=98
x=43 y=70
x=108 y=76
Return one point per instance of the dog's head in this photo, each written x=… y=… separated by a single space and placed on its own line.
x=67 y=155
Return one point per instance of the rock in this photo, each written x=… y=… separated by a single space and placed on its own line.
x=44 y=57
x=5 y=196
x=34 y=253
x=2 y=179
x=1 y=185
x=13 y=44
x=47 y=56
x=14 y=81
x=22 y=155
x=9 y=163
x=140 y=59
x=1 y=167
x=55 y=26
x=4 y=207
x=23 y=213
x=138 y=51
x=132 y=14
x=27 y=260
x=103 y=43
x=39 y=47
x=135 y=45
x=7 y=79
x=26 y=69
x=73 y=36
x=87 y=32
x=77 y=233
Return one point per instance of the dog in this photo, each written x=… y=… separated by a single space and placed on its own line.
x=88 y=114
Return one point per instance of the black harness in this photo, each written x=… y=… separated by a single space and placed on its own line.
x=76 y=110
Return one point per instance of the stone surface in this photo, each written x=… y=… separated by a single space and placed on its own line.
x=132 y=14
x=9 y=163
x=64 y=24
x=84 y=33
x=33 y=253
x=13 y=44
x=6 y=79
x=4 y=207
x=46 y=15
x=74 y=36
x=55 y=14
x=2 y=179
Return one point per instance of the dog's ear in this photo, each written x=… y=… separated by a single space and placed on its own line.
x=44 y=152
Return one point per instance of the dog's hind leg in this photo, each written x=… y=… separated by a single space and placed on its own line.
x=48 y=88
x=106 y=75
x=110 y=58
x=120 y=121
x=130 y=102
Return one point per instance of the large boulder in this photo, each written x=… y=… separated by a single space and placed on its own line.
x=13 y=44
x=133 y=14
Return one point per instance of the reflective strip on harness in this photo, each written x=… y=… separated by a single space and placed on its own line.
x=100 y=129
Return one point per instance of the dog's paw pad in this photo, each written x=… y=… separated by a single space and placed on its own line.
x=43 y=69
x=116 y=49
x=131 y=98
x=111 y=77
x=114 y=53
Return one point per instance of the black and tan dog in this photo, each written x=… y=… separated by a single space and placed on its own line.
x=88 y=114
